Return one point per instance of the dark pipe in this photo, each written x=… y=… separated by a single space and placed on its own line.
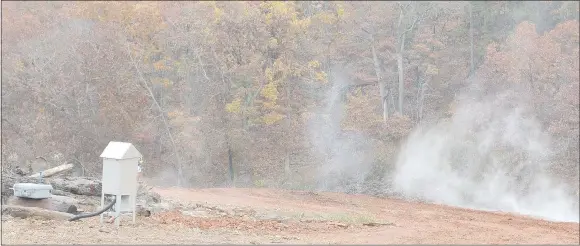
x=87 y=215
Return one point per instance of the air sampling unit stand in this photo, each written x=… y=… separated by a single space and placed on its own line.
x=120 y=161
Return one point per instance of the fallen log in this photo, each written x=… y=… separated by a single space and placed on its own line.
x=53 y=171
x=28 y=212
x=55 y=203
x=78 y=185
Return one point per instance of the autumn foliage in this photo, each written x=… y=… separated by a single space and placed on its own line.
x=226 y=91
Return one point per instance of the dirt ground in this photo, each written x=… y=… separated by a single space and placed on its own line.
x=265 y=216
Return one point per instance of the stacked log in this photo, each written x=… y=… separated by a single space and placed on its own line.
x=55 y=203
x=60 y=206
x=27 y=212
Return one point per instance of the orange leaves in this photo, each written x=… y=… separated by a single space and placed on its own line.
x=529 y=55
x=525 y=30
x=164 y=64
x=567 y=29
x=138 y=19
x=361 y=113
x=421 y=48
x=159 y=66
x=174 y=113
x=545 y=65
x=398 y=126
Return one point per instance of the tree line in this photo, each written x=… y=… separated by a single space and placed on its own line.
x=216 y=93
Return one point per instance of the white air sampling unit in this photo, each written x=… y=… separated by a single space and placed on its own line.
x=32 y=191
x=120 y=161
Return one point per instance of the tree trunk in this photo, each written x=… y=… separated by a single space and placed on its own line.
x=53 y=171
x=381 y=83
x=392 y=99
x=472 y=64
x=422 y=101
x=78 y=185
x=231 y=166
x=418 y=102
x=401 y=73
x=287 y=170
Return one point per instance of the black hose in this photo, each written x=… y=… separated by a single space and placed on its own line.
x=87 y=215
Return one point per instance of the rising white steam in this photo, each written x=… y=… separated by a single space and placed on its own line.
x=346 y=156
x=491 y=155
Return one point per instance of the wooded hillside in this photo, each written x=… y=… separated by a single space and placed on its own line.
x=308 y=95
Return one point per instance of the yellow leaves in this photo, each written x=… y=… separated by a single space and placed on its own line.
x=277 y=72
x=339 y=10
x=321 y=77
x=268 y=18
x=163 y=81
x=432 y=69
x=326 y=18
x=259 y=183
x=246 y=11
x=313 y=64
x=273 y=42
x=206 y=30
x=270 y=92
x=19 y=65
x=235 y=106
x=299 y=25
x=269 y=105
x=317 y=75
x=269 y=75
x=278 y=8
x=272 y=118
x=285 y=15
x=166 y=82
x=218 y=13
